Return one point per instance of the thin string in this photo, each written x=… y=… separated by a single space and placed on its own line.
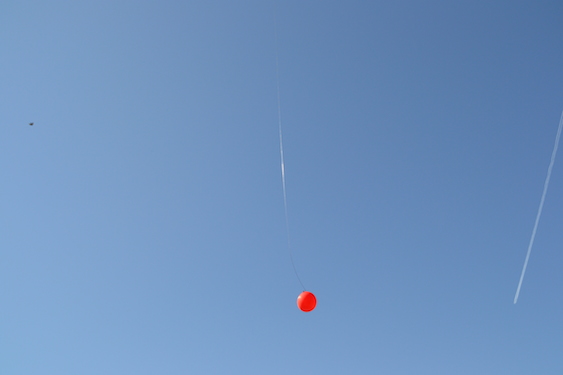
x=545 y=186
x=281 y=153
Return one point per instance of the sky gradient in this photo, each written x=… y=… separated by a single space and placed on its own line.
x=142 y=225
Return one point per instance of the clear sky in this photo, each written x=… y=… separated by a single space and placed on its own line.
x=142 y=226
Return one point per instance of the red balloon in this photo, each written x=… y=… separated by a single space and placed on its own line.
x=306 y=301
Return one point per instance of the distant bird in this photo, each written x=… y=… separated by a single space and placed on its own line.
x=31 y=123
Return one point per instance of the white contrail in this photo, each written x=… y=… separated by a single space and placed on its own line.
x=545 y=186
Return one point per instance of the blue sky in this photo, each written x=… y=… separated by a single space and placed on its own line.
x=142 y=226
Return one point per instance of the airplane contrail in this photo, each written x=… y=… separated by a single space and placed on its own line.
x=545 y=186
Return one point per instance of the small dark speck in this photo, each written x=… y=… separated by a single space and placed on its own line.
x=31 y=123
